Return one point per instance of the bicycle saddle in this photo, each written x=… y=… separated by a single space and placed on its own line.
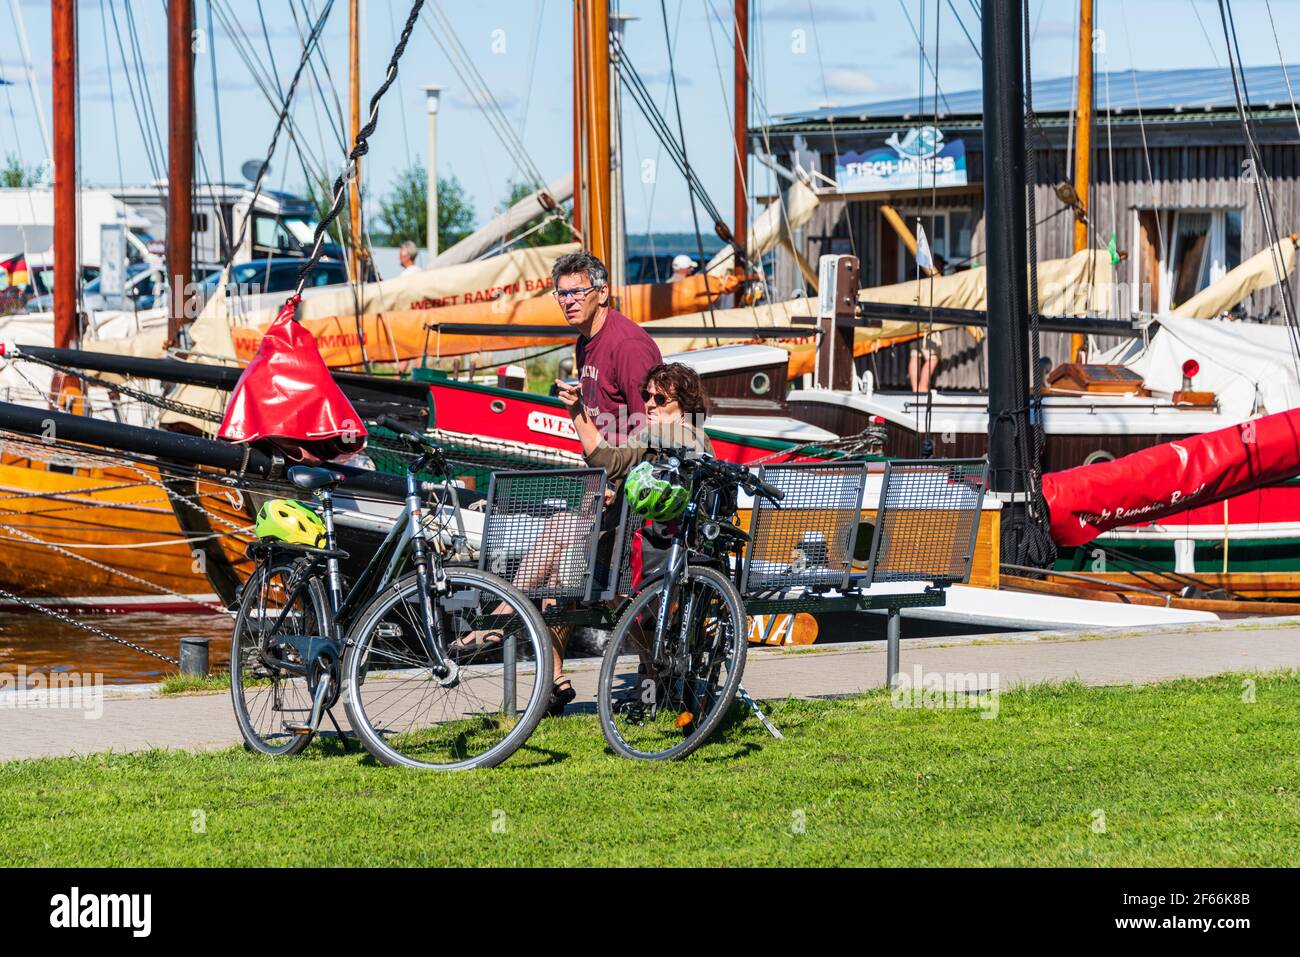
x=311 y=479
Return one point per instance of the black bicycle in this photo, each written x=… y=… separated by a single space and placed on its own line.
x=674 y=663
x=440 y=666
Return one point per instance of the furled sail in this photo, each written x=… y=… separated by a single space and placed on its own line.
x=1172 y=477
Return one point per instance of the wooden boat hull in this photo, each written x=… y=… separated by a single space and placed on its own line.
x=105 y=539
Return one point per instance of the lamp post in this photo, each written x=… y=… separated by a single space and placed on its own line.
x=431 y=105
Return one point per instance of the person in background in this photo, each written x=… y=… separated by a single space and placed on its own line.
x=406 y=254
x=683 y=266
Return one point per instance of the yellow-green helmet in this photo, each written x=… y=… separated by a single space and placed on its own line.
x=652 y=496
x=288 y=521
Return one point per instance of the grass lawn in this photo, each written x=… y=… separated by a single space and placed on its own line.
x=1185 y=773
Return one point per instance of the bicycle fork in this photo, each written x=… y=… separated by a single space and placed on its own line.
x=446 y=670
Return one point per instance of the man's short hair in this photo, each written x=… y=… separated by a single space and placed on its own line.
x=580 y=262
x=409 y=249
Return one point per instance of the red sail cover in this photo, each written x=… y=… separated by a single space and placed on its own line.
x=1172 y=477
x=286 y=395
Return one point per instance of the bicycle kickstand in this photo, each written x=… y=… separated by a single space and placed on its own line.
x=758 y=713
x=347 y=745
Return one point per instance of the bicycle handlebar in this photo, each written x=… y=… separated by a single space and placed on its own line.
x=393 y=425
x=742 y=477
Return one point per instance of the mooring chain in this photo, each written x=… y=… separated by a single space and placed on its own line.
x=98 y=632
x=162 y=402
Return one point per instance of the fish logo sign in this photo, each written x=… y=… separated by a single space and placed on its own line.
x=919 y=141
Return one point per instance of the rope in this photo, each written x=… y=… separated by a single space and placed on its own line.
x=359 y=149
x=681 y=132
x=98 y=632
x=312 y=39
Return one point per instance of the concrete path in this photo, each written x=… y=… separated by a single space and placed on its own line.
x=135 y=718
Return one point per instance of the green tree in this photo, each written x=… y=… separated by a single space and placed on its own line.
x=553 y=233
x=15 y=175
x=404 y=210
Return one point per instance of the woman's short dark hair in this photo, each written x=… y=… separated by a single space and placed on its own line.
x=683 y=382
x=571 y=264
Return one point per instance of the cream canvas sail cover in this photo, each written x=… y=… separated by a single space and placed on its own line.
x=772 y=227
x=1071 y=286
x=518 y=274
x=1258 y=272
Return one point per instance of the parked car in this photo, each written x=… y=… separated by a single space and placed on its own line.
x=274 y=276
x=141 y=290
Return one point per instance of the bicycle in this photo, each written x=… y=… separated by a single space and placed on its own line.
x=662 y=694
x=392 y=645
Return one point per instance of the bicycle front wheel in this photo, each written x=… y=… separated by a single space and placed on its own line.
x=405 y=715
x=278 y=605
x=663 y=709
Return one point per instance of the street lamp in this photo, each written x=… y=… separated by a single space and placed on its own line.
x=431 y=104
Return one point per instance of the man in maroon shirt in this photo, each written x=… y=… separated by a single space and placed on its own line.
x=613 y=354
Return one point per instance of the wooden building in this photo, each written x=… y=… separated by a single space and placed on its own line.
x=1171 y=183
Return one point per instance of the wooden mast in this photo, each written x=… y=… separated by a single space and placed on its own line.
x=579 y=199
x=1083 y=145
x=63 y=40
x=354 y=88
x=591 y=93
x=180 y=162
x=740 y=110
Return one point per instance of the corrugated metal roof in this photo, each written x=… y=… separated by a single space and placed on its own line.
x=1151 y=90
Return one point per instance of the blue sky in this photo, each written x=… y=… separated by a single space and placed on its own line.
x=805 y=54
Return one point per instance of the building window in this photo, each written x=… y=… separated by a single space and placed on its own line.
x=1183 y=251
x=949 y=233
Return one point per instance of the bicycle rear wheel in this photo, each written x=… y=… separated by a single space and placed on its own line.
x=277 y=603
x=663 y=710
x=402 y=711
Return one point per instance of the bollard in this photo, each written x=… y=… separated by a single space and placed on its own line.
x=893 y=631
x=194 y=657
x=508 y=677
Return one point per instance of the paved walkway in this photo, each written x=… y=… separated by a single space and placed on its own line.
x=136 y=719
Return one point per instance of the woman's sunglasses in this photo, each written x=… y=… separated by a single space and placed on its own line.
x=660 y=399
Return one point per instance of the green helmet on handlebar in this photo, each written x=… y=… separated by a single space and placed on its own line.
x=651 y=495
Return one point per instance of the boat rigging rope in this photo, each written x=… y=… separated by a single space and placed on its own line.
x=101 y=566
x=161 y=402
x=681 y=133
x=359 y=149
x=84 y=626
x=312 y=39
x=1260 y=178
x=1035 y=544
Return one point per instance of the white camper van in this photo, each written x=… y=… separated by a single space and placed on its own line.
x=27 y=226
x=281 y=224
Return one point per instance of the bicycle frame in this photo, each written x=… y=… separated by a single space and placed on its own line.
x=383 y=568
x=677 y=561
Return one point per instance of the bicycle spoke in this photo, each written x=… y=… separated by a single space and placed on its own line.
x=418 y=719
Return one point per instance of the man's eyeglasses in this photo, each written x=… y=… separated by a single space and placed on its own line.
x=578 y=293
x=660 y=398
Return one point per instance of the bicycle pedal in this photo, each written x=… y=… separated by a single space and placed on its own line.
x=294 y=727
x=685 y=718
